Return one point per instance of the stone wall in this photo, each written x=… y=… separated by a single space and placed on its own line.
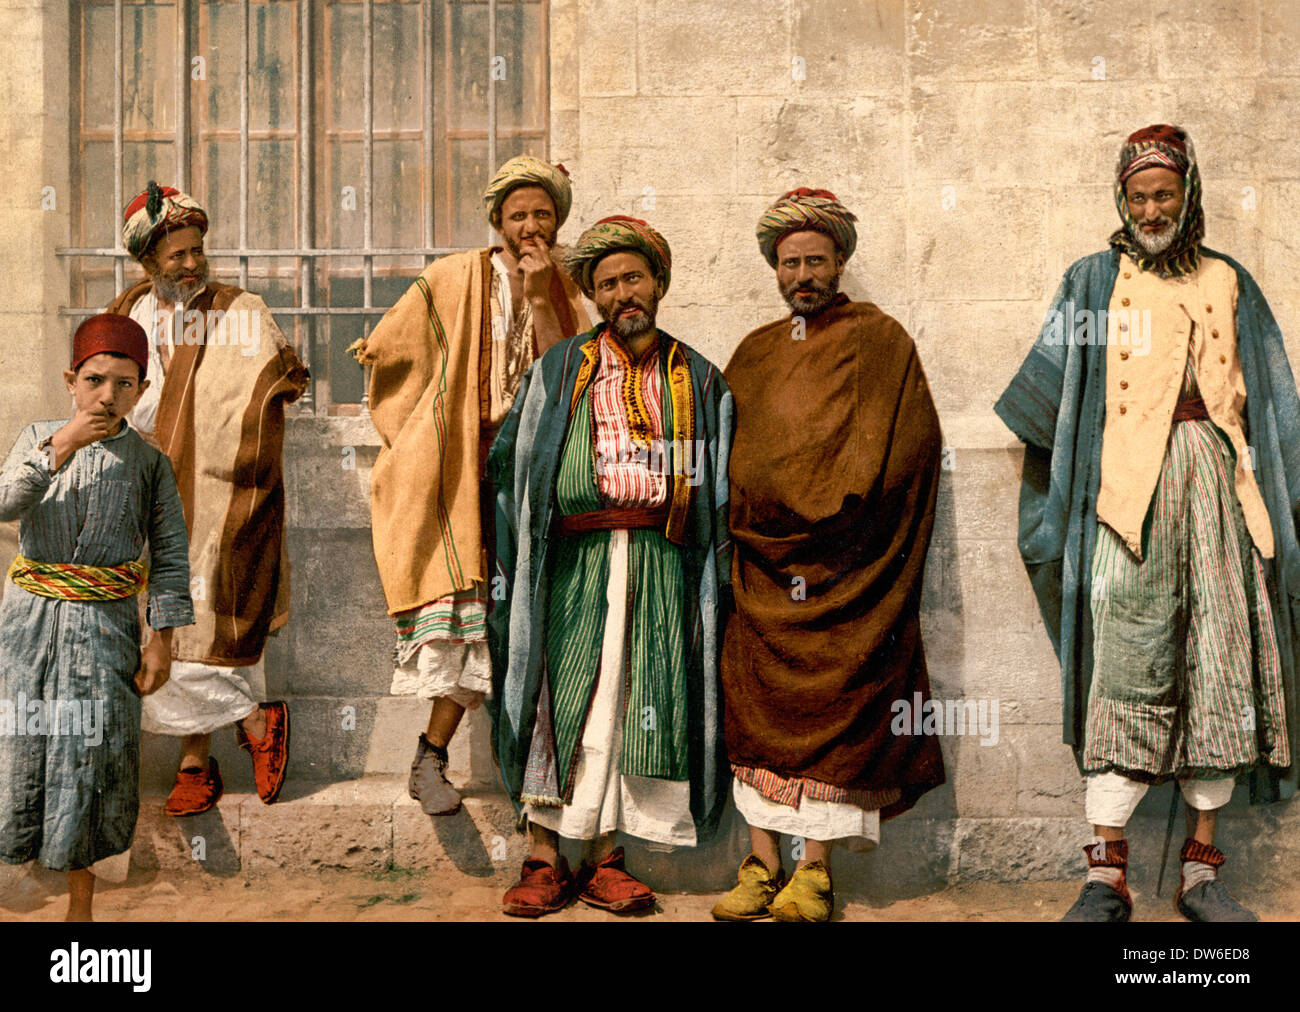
x=974 y=141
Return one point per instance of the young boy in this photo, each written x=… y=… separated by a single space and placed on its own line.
x=89 y=493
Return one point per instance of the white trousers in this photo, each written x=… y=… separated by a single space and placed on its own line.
x=855 y=828
x=1112 y=797
x=603 y=798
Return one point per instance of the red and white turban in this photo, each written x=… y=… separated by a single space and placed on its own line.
x=159 y=209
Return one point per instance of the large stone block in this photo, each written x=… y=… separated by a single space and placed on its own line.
x=995 y=133
x=607 y=50
x=995 y=596
x=715 y=256
x=339 y=638
x=712 y=47
x=1206 y=40
x=986 y=491
x=849 y=47
x=626 y=138
x=880 y=270
x=915 y=857
x=565 y=142
x=1024 y=849
x=983 y=776
x=1279 y=37
x=1279 y=262
x=1049 y=782
x=959 y=240
x=328 y=486
x=566 y=65
x=480 y=840
x=970 y=350
x=789 y=142
x=24 y=272
x=1080 y=220
x=345 y=825
x=713 y=331
x=1103 y=40
x=209 y=841
x=991 y=41
x=1232 y=218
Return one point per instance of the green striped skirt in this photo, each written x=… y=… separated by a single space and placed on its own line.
x=654 y=740
x=1186 y=675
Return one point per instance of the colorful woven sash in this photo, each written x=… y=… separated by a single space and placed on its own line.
x=72 y=582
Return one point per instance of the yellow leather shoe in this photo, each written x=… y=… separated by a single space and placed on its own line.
x=755 y=888
x=809 y=895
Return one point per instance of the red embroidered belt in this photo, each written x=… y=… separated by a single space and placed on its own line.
x=613 y=519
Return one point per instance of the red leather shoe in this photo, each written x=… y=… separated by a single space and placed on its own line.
x=541 y=889
x=195 y=791
x=270 y=753
x=608 y=887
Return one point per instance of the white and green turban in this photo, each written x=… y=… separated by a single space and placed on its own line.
x=525 y=170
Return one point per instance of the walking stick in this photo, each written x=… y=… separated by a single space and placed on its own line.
x=1169 y=835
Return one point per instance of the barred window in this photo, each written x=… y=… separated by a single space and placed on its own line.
x=337 y=146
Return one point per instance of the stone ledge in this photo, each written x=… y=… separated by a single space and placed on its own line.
x=371 y=824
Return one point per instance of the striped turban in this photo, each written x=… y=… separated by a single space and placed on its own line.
x=529 y=171
x=1161 y=147
x=806 y=210
x=160 y=209
x=618 y=233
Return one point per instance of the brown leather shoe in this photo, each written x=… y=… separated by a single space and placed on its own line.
x=270 y=753
x=607 y=886
x=541 y=889
x=195 y=791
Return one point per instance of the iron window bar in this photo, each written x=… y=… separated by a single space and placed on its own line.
x=307 y=254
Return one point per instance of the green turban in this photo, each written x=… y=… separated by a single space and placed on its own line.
x=612 y=235
x=526 y=170
x=805 y=210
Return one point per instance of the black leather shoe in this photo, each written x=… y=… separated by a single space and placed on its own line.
x=1210 y=901
x=1099 y=902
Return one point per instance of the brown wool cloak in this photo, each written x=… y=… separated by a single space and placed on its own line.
x=221 y=422
x=834 y=474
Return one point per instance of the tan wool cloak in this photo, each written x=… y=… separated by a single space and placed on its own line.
x=221 y=422
x=430 y=357
x=834 y=474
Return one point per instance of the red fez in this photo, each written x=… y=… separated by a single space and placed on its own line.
x=111 y=332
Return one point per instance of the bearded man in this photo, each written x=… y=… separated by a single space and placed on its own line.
x=832 y=506
x=447 y=361
x=226 y=374
x=1149 y=524
x=611 y=471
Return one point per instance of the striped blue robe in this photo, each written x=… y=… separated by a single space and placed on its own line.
x=524 y=462
x=71 y=799
x=1056 y=404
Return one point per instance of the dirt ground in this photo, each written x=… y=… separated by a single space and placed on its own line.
x=401 y=894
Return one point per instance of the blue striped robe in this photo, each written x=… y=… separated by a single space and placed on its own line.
x=1056 y=403
x=524 y=462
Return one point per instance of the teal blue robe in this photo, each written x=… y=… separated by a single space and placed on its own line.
x=524 y=462
x=1056 y=404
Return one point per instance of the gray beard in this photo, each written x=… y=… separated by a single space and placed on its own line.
x=178 y=293
x=1158 y=243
